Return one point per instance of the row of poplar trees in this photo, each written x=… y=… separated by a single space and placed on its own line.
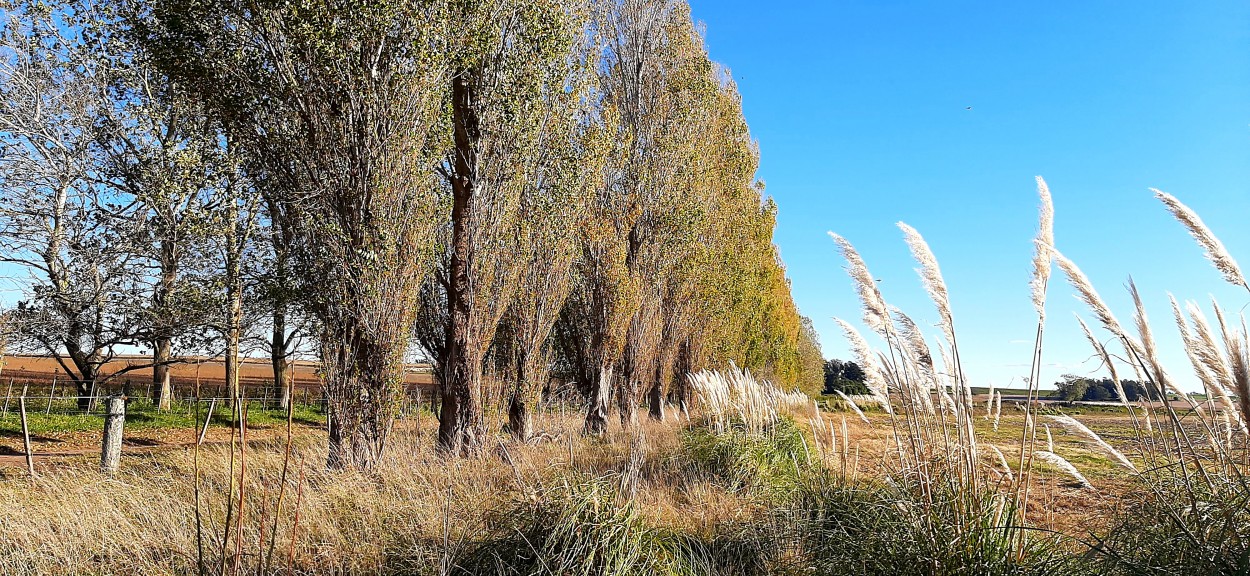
x=512 y=186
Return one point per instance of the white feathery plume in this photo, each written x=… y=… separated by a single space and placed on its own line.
x=989 y=403
x=917 y=352
x=1193 y=349
x=1087 y=293
x=931 y=276
x=1208 y=350
x=1228 y=430
x=918 y=349
x=1062 y=463
x=876 y=315
x=867 y=361
x=945 y=401
x=1239 y=359
x=846 y=442
x=998 y=409
x=1072 y=424
x=1106 y=359
x=1050 y=441
x=1043 y=247
x=1150 y=353
x=1002 y=460
x=1214 y=371
x=854 y=407
x=1214 y=249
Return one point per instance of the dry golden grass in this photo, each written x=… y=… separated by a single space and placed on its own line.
x=417 y=511
x=410 y=514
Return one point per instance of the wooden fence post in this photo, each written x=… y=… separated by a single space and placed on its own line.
x=111 y=446
x=212 y=405
x=50 y=395
x=30 y=460
x=7 y=395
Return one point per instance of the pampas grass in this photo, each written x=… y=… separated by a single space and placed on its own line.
x=1062 y=464
x=1213 y=248
x=867 y=360
x=1074 y=425
x=736 y=394
x=876 y=314
x=1086 y=292
x=1002 y=461
x=853 y=406
x=998 y=409
x=1042 y=254
x=931 y=277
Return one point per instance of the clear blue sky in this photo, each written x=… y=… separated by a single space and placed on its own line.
x=859 y=109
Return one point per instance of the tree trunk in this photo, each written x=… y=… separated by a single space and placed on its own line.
x=600 y=395
x=162 y=385
x=84 y=382
x=626 y=401
x=278 y=356
x=364 y=376
x=234 y=298
x=84 y=388
x=162 y=345
x=460 y=426
x=232 y=363
x=520 y=423
x=655 y=398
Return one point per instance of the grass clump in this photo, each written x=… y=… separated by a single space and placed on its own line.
x=1164 y=531
x=772 y=462
x=871 y=528
x=580 y=526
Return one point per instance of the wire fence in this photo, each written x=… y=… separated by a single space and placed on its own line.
x=53 y=398
x=66 y=400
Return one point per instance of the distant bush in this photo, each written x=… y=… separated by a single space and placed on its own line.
x=846 y=377
x=1077 y=388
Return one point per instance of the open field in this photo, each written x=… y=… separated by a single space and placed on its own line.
x=40 y=371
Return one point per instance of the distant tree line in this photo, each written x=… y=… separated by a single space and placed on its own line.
x=511 y=187
x=1078 y=388
x=846 y=377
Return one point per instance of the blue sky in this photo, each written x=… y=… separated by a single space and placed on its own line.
x=859 y=109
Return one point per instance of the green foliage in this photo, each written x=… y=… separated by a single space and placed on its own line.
x=65 y=418
x=1168 y=528
x=841 y=528
x=1073 y=388
x=583 y=526
x=771 y=464
x=845 y=377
